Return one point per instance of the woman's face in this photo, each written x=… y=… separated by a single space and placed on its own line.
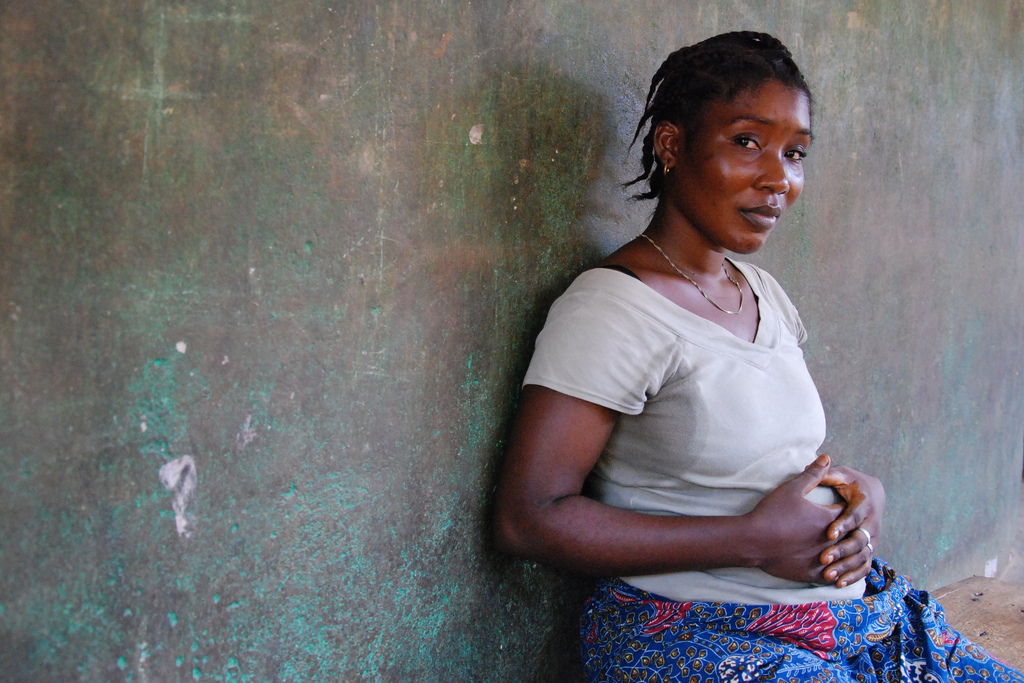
x=743 y=169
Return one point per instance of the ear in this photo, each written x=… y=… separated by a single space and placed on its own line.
x=668 y=143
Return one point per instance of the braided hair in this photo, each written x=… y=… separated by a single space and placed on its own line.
x=713 y=70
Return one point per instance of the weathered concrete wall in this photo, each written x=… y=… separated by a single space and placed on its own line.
x=260 y=234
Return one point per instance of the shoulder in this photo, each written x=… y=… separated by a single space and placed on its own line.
x=609 y=297
x=603 y=342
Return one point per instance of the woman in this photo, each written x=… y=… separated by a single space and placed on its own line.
x=668 y=427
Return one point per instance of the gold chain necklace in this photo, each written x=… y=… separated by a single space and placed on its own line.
x=694 y=282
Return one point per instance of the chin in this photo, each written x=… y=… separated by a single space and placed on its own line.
x=749 y=247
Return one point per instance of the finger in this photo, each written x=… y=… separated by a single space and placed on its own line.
x=817 y=470
x=857 y=574
x=849 y=546
x=853 y=516
x=849 y=569
x=836 y=477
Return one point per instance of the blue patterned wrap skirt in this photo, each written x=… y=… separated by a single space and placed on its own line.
x=895 y=633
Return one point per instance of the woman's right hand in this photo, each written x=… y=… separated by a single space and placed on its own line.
x=794 y=530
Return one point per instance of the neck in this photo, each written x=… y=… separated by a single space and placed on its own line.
x=684 y=245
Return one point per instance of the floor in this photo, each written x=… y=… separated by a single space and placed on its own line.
x=990 y=612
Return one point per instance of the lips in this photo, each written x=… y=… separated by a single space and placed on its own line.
x=764 y=216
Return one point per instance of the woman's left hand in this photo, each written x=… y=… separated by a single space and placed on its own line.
x=849 y=559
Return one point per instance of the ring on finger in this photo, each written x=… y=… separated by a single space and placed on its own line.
x=867 y=535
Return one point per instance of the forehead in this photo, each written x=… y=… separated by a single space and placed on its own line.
x=771 y=103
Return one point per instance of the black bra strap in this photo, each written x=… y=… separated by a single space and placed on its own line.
x=622 y=269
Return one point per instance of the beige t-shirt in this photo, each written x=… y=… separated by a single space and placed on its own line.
x=710 y=423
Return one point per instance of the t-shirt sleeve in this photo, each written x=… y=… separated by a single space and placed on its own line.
x=600 y=349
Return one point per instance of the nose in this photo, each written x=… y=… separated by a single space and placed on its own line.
x=774 y=175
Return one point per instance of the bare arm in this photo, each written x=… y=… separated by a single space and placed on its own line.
x=541 y=514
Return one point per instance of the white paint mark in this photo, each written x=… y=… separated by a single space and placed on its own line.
x=367 y=159
x=225 y=361
x=292 y=396
x=179 y=477
x=251 y=271
x=992 y=568
x=181 y=346
x=301 y=114
x=142 y=426
x=476 y=134
x=246 y=435
x=143 y=657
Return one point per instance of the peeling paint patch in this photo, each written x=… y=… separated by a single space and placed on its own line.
x=443 y=47
x=476 y=134
x=246 y=434
x=367 y=160
x=181 y=346
x=992 y=568
x=179 y=477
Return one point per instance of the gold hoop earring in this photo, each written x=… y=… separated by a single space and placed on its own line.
x=666 y=170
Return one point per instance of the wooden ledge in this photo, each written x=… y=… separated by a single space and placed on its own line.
x=988 y=612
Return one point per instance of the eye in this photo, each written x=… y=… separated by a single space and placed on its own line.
x=797 y=155
x=746 y=142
